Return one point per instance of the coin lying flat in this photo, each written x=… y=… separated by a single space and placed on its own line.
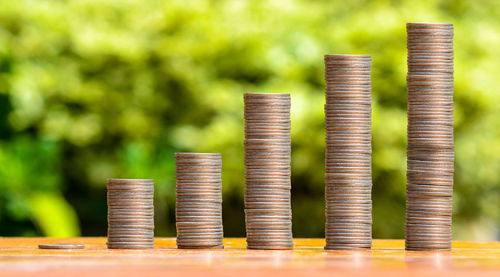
x=61 y=246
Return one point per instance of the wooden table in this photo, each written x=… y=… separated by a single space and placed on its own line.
x=21 y=257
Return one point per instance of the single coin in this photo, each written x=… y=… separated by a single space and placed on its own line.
x=61 y=246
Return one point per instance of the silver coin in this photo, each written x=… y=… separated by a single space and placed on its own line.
x=61 y=246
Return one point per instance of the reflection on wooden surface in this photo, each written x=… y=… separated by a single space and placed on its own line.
x=21 y=257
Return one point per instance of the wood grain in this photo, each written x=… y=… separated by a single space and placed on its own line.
x=21 y=257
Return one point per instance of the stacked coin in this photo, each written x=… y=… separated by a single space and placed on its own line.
x=267 y=171
x=348 y=179
x=130 y=213
x=198 y=209
x=430 y=136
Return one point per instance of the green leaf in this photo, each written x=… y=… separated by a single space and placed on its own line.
x=54 y=216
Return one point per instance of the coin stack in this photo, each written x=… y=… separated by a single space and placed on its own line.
x=130 y=213
x=198 y=209
x=348 y=179
x=267 y=171
x=430 y=136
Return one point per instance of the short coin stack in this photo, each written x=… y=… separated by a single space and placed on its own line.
x=348 y=152
x=430 y=136
x=267 y=171
x=198 y=209
x=130 y=213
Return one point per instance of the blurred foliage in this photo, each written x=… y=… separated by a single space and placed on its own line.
x=96 y=89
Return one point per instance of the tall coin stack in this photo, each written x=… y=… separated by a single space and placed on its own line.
x=348 y=152
x=430 y=136
x=198 y=209
x=267 y=171
x=130 y=213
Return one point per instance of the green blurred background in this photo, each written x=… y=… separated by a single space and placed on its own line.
x=93 y=89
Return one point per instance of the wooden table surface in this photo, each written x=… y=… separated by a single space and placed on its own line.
x=21 y=257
